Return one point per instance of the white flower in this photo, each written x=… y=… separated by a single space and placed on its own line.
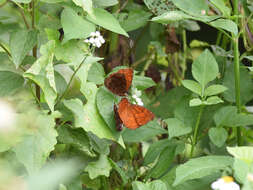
x=101 y=39
x=7 y=117
x=225 y=183
x=93 y=34
x=92 y=40
x=97 y=33
x=139 y=102
x=86 y=41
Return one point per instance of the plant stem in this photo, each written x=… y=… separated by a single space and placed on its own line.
x=184 y=53
x=70 y=81
x=5 y=49
x=196 y=129
x=237 y=72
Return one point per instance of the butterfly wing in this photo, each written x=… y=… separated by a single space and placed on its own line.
x=133 y=116
x=119 y=82
x=118 y=121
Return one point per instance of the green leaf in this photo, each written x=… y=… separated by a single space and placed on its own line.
x=195 y=102
x=103 y=3
x=164 y=162
x=85 y=4
x=100 y=167
x=22 y=1
x=244 y=153
x=99 y=145
x=246 y=85
x=200 y=167
x=10 y=82
x=154 y=185
x=192 y=86
x=75 y=26
x=241 y=169
x=142 y=83
x=121 y=172
x=52 y=1
x=170 y=17
x=60 y=83
x=34 y=149
x=96 y=73
x=218 y=136
x=143 y=133
x=213 y=100
x=220 y=4
x=42 y=73
x=21 y=43
x=225 y=24
x=228 y=116
x=214 y=90
x=106 y=20
x=105 y=103
x=193 y=8
x=55 y=172
x=177 y=128
x=91 y=183
x=75 y=137
x=135 y=19
x=205 y=68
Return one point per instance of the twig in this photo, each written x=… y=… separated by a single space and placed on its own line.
x=5 y=49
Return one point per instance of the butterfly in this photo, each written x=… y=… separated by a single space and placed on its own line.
x=120 y=81
x=131 y=115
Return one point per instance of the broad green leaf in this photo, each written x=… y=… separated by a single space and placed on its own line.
x=101 y=146
x=85 y=4
x=105 y=103
x=21 y=43
x=22 y=1
x=10 y=82
x=34 y=148
x=154 y=185
x=53 y=1
x=103 y=3
x=200 y=167
x=60 y=83
x=55 y=172
x=164 y=105
x=225 y=24
x=170 y=17
x=163 y=163
x=121 y=172
x=214 y=90
x=177 y=128
x=75 y=137
x=249 y=57
x=100 y=167
x=159 y=7
x=220 y=4
x=87 y=117
x=193 y=8
x=142 y=83
x=244 y=153
x=218 y=136
x=143 y=133
x=205 y=68
x=42 y=73
x=75 y=26
x=246 y=85
x=192 y=86
x=96 y=73
x=241 y=169
x=135 y=19
x=91 y=183
x=106 y=20
x=228 y=116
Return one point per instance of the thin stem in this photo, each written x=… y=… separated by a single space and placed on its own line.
x=196 y=129
x=237 y=72
x=24 y=18
x=70 y=81
x=5 y=49
x=184 y=52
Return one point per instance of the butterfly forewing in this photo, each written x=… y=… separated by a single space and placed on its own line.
x=133 y=116
x=119 y=82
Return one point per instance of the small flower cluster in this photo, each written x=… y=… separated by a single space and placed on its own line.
x=95 y=39
x=136 y=96
x=225 y=183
